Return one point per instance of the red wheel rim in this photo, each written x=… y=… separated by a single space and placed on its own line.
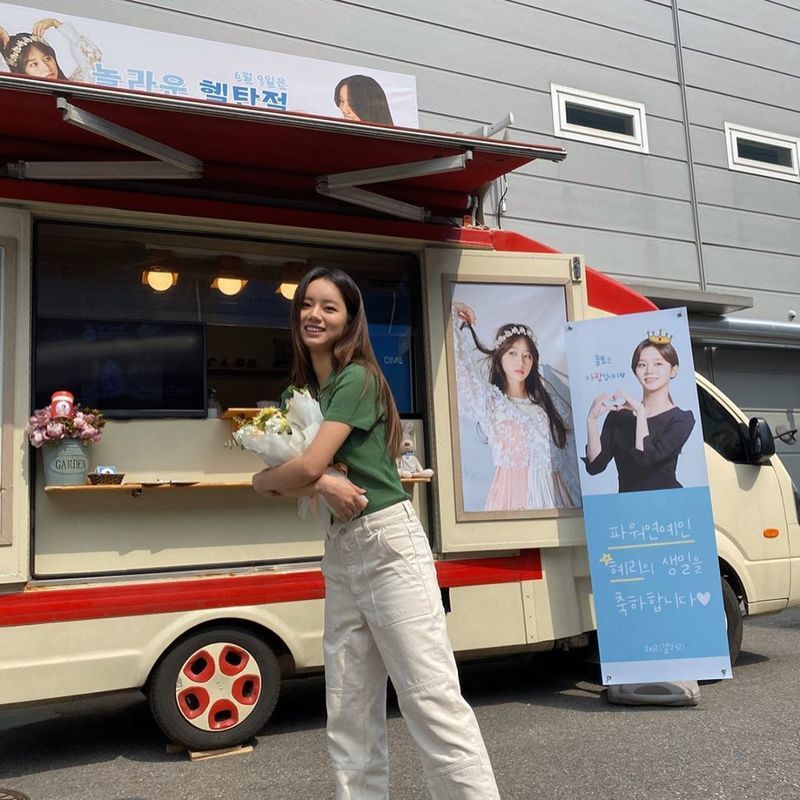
x=218 y=686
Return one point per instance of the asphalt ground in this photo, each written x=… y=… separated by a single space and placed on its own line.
x=547 y=724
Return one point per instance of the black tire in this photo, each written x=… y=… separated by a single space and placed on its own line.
x=227 y=715
x=733 y=619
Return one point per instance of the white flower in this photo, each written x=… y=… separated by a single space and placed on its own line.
x=277 y=436
x=514 y=330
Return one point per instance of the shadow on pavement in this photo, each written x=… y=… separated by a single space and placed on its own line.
x=566 y=680
x=95 y=730
x=569 y=680
x=80 y=731
x=747 y=659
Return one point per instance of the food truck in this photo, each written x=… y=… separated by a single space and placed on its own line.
x=149 y=245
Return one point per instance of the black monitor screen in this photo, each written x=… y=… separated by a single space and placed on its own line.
x=126 y=369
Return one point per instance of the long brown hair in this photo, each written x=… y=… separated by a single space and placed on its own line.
x=354 y=347
x=366 y=98
x=534 y=383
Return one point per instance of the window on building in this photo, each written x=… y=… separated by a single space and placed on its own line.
x=154 y=324
x=773 y=155
x=589 y=117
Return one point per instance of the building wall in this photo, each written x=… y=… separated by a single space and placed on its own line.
x=633 y=215
x=742 y=64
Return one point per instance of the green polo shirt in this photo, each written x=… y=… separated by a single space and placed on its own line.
x=351 y=396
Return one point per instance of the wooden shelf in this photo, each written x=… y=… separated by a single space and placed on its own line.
x=253 y=372
x=138 y=488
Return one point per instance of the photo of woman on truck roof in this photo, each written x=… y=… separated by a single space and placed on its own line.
x=643 y=437
x=361 y=98
x=32 y=54
x=525 y=423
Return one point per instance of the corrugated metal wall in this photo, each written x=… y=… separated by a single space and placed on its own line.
x=742 y=62
x=632 y=215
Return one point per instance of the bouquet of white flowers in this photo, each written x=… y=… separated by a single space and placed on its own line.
x=276 y=435
x=279 y=435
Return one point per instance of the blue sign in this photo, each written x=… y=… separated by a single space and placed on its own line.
x=394 y=356
x=647 y=509
x=656 y=585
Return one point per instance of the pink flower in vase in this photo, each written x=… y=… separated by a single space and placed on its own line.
x=90 y=434
x=86 y=425
x=54 y=431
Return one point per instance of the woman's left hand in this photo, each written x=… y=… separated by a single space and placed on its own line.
x=465 y=313
x=258 y=484
x=4 y=37
x=345 y=499
x=43 y=24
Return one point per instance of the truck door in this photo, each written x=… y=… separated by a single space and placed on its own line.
x=747 y=501
x=477 y=430
x=13 y=446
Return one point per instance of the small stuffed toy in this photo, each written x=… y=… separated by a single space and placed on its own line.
x=407 y=462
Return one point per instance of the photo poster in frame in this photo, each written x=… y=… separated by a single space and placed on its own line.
x=647 y=510
x=514 y=451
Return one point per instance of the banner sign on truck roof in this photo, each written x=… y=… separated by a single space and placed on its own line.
x=61 y=47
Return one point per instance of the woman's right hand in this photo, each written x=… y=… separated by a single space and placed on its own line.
x=600 y=406
x=343 y=496
x=4 y=37
x=464 y=313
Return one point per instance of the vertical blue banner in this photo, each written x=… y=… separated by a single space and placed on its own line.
x=647 y=509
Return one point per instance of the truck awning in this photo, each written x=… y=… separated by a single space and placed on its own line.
x=63 y=134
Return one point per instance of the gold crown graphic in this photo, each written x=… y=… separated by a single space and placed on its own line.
x=658 y=337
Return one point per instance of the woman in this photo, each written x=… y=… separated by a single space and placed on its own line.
x=383 y=610
x=533 y=450
x=361 y=99
x=31 y=54
x=643 y=437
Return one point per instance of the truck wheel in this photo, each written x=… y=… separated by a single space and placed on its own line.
x=733 y=620
x=217 y=688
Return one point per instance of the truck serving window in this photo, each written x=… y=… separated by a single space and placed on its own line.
x=149 y=324
x=720 y=430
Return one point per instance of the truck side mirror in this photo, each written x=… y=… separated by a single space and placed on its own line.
x=759 y=442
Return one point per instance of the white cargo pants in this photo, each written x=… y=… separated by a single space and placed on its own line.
x=383 y=614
